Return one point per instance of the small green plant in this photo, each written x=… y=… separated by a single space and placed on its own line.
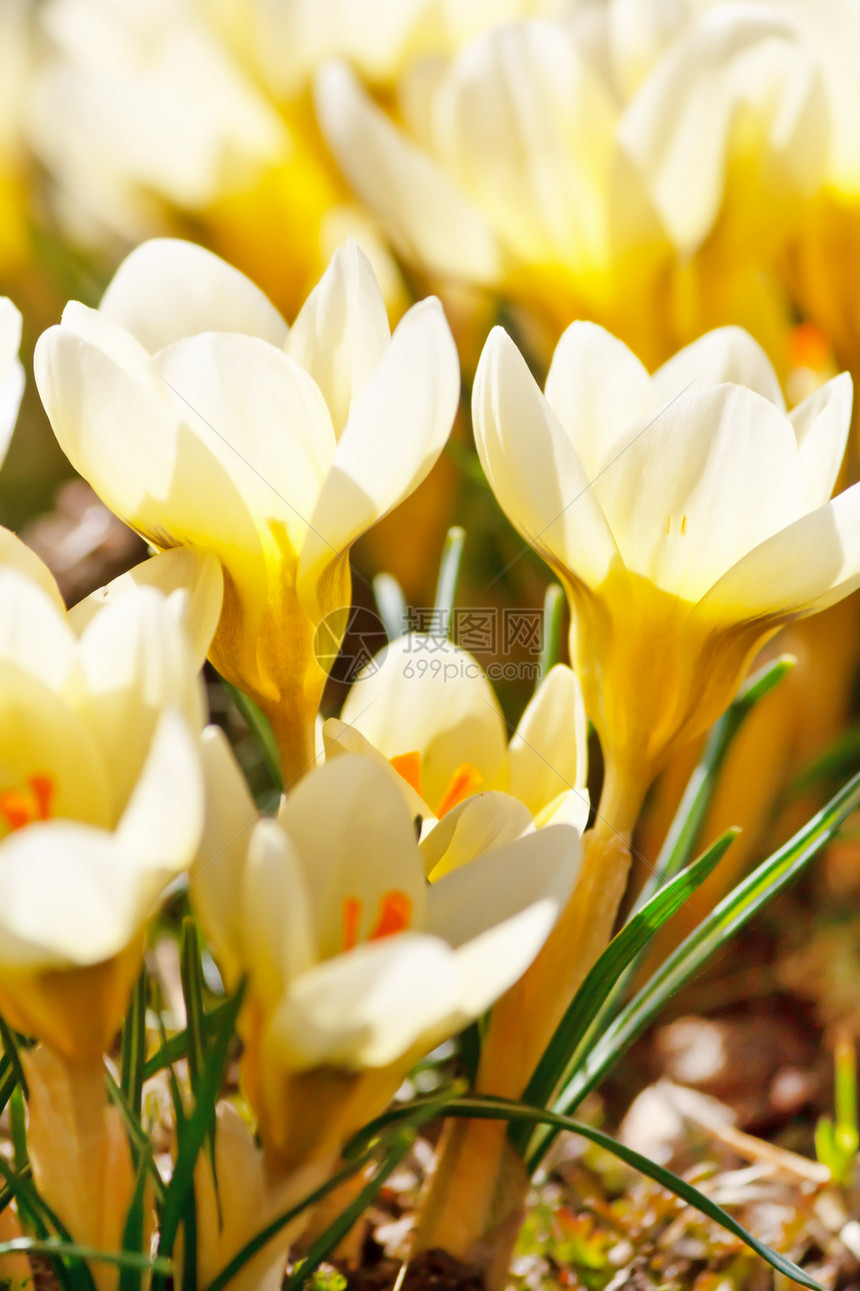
x=836 y=1137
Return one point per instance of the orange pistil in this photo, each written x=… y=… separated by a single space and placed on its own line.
x=395 y=913
x=465 y=780
x=408 y=766
x=20 y=807
x=808 y=347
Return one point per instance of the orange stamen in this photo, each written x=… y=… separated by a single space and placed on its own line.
x=20 y=807
x=43 y=792
x=395 y=912
x=351 y=920
x=465 y=780
x=808 y=347
x=408 y=765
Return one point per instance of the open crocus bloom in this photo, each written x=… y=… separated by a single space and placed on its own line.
x=578 y=165
x=100 y=793
x=427 y=707
x=11 y=371
x=203 y=421
x=354 y=962
x=687 y=515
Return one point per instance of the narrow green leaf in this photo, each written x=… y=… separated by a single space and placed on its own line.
x=18 y=1128
x=449 y=576
x=137 y=1136
x=176 y=1048
x=10 y=1049
x=54 y=1246
x=191 y=975
x=197 y=1126
x=391 y=604
x=134 y=1232
x=553 y=618
x=260 y=729
x=399 y=1147
x=732 y=914
x=484 y=1107
x=133 y=1050
x=71 y=1272
x=564 y=1051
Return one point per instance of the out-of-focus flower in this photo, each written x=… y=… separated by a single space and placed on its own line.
x=354 y=965
x=687 y=515
x=638 y=164
x=100 y=793
x=11 y=372
x=203 y=421
x=153 y=119
x=427 y=707
x=16 y=70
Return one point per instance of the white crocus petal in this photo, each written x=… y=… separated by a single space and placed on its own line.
x=528 y=130
x=120 y=432
x=168 y=289
x=232 y=391
x=15 y=554
x=548 y=753
x=11 y=371
x=161 y=826
x=475 y=826
x=342 y=331
x=68 y=895
x=822 y=424
x=639 y=31
x=191 y=581
x=573 y=807
x=135 y=662
x=216 y=874
x=424 y=694
x=34 y=634
x=811 y=564
x=540 y=866
x=340 y=738
x=429 y=218
x=367 y=1008
x=397 y=428
x=276 y=915
x=532 y=466
x=734 y=64
x=684 y=505
x=597 y=388
x=727 y=354
x=361 y=852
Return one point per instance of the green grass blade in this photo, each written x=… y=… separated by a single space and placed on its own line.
x=732 y=914
x=477 y=1107
x=133 y=1049
x=176 y=1048
x=134 y=1233
x=260 y=729
x=55 y=1247
x=196 y=1127
x=139 y=1140
x=10 y=1050
x=564 y=1051
x=191 y=976
x=449 y=577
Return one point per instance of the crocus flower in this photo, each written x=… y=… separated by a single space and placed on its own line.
x=203 y=421
x=636 y=151
x=687 y=515
x=11 y=371
x=427 y=706
x=355 y=965
x=100 y=795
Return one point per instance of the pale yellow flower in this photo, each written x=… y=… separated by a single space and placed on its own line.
x=687 y=515
x=11 y=372
x=637 y=164
x=203 y=421
x=427 y=706
x=355 y=965
x=100 y=792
